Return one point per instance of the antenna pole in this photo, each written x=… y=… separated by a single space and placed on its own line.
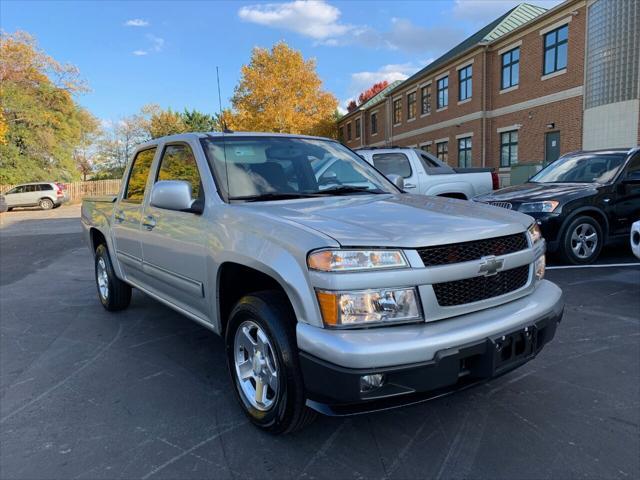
x=224 y=127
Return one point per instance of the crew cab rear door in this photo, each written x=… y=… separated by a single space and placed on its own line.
x=173 y=242
x=127 y=215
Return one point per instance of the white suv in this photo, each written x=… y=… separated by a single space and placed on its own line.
x=46 y=195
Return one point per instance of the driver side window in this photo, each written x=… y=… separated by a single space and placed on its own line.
x=178 y=163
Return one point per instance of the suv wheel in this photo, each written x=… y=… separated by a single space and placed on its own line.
x=46 y=203
x=262 y=356
x=582 y=241
x=113 y=293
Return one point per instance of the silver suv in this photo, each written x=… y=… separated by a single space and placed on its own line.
x=339 y=296
x=46 y=195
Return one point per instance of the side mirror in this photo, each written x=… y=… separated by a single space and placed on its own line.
x=329 y=178
x=173 y=195
x=632 y=178
x=397 y=180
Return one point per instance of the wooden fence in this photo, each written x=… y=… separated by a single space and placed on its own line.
x=76 y=191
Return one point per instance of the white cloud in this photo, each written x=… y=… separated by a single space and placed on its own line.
x=320 y=21
x=140 y=53
x=485 y=11
x=314 y=18
x=408 y=37
x=360 y=81
x=157 y=43
x=136 y=22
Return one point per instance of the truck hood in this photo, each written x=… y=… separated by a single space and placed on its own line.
x=402 y=220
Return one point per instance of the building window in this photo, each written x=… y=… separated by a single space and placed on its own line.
x=442 y=151
x=348 y=132
x=426 y=148
x=555 y=50
x=464 y=152
x=374 y=123
x=465 y=82
x=510 y=68
x=411 y=105
x=341 y=134
x=397 y=111
x=508 y=148
x=425 y=98
x=443 y=92
x=358 y=126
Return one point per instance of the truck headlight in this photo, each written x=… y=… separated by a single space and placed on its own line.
x=369 y=307
x=353 y=260
x=535 y=234
x=539 y=207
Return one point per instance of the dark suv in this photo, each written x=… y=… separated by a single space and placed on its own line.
x=581 y=201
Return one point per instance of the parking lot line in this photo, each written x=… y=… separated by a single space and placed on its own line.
x=565 y=267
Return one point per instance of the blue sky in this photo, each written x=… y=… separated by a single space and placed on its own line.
x=165 y=52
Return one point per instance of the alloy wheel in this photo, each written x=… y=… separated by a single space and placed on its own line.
x=584 y=241
x=256 y=367
x=103 y=279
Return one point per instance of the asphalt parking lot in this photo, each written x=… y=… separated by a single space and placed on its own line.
x=145 y=393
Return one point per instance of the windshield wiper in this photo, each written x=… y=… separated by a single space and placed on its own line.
x=346 y=189
x=272 y=196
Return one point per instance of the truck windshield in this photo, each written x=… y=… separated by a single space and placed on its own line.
x=277 y=168
x=582 y=168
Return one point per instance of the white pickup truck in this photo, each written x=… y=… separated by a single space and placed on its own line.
x=425 y=174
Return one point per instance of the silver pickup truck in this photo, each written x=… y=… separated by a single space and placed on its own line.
x=339 y=295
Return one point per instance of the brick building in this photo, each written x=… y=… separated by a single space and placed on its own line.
x=527 y=88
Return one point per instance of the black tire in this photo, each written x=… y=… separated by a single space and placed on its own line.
x=572 y=247
x=46 y=203
x=271 y=311
x=118 y=295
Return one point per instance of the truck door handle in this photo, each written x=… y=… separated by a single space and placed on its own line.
x=149 y=222
x=409 y=185
x=119 y=216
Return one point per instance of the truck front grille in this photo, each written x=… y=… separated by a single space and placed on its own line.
x=475 y=289
x=474 y=250
x=506 y=205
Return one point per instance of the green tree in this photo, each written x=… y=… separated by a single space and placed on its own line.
x=43 y=123
x=196 y=121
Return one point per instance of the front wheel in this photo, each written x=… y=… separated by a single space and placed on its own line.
x=46 y=204
x=263 y=362
x=582 y=241
x=113 y=293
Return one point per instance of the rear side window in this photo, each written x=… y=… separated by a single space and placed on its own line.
x=45 y=186
x=392 y=164
x=32 y=188
x=178 y=163
x=137 y=181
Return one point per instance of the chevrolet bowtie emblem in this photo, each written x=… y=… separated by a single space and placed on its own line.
x=490 y=265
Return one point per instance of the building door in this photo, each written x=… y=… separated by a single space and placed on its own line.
x=552 y=147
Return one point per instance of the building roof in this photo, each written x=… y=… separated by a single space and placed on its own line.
x=514 y=18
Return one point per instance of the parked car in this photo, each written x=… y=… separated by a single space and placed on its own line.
x=47 y=195
x=425 y=174
x=581 y=201
x=340 y=300
x=635 y=239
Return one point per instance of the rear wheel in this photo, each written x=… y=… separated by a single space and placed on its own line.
x=582 y=241
x=114 y=294
x=46 y=203
x=263 y=362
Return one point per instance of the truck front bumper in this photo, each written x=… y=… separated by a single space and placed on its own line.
x=422 y=361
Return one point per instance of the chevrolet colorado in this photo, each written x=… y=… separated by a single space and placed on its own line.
x=339 y=296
